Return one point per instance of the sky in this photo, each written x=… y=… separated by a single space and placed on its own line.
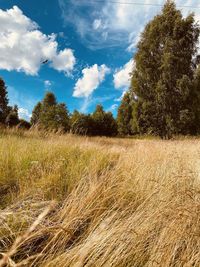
x=81 y=50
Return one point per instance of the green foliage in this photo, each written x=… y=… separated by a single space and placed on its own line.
x=99 y=123
x=3 y=101
x=104 y=123
x=196 y=101
x=50 y=115
x=36 y=114
x=125 y=115
x=62 y=117
x=81 y=124
x=164 y=73
x=49 y=100
x=23 y=124
x=13 y=118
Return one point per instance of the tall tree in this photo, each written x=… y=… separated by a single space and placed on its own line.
x=164 y=73
x=98 y=118
x=62 y=117
x=36 y=114
x=124 y=115
x=3 y=101
x=196 y=103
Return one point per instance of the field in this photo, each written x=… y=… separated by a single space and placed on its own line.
x=80 y=201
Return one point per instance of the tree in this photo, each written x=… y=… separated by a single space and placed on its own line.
x=62 y=117
x=103 y=122
x=36 y=114
x=110 y=125
x=49 y=100
x=124 y=115
x=23 y=124
x=50 y=115
x=163 y=76
x=195 y=124
x=13 y=118
x=3 y=101
x=81 y=124
x=98 y=117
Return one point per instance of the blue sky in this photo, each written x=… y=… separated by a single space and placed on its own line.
x=89 y=46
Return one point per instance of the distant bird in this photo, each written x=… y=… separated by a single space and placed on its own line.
x=45 y=61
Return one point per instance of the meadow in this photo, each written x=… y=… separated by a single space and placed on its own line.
x=77 y=201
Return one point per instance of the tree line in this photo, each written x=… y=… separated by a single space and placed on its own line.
x=163 y=98
x=9 y=115
x=49 y=115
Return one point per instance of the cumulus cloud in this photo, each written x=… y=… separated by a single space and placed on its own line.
x=64 y=60
x=24 y=47
x=91 y=79
x=121 y=77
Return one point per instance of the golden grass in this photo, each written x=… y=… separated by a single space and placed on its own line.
x=119 y=202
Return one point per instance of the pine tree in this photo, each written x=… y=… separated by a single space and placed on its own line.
x=3 y=101
x=164 y=72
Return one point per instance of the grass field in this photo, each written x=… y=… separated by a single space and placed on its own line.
x=79 y=201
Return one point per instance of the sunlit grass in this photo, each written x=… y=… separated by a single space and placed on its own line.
x=119 y=202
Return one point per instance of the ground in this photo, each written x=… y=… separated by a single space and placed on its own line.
x=80 y=201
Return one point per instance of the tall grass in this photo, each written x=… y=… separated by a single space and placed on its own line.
x=119 y=202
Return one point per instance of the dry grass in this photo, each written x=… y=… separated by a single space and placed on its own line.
x=119 y=202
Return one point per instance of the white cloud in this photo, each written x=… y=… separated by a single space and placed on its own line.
x=91 y=79
x=24 y=114
x=122 y=75
x=24 y=47
x=47 y=83
x=64 y=60
x=108 y=24
x=88 y=101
